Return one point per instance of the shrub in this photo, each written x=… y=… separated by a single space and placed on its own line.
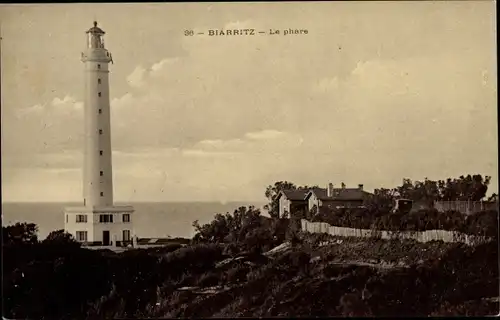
x=237 y=273
x=61 y=238
x=196 y=258
x=469 y=308
x=208 y=279
x=483 y=223
x=20 y=233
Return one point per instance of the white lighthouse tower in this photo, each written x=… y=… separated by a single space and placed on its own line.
x=98 y=221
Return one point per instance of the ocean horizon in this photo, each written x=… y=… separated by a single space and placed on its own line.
x=152 y=219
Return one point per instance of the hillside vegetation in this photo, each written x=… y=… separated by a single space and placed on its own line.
x=246 y=265
x=315 y=275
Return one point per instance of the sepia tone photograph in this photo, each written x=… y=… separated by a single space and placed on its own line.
x=278 y=159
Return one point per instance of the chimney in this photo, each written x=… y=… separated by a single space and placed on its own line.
x=329 y=190
x=360 y=187
x=343 y=185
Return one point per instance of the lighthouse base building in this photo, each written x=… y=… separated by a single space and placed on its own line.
x=104 y=226
x=98 y=221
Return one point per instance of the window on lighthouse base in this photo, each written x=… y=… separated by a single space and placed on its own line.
x=126 y=235
x=81 y=236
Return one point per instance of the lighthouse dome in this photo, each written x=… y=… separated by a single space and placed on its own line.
x=95 y=29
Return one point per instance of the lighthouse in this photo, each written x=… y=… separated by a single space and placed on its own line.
x=98 y=221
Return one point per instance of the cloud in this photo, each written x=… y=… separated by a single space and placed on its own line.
x=262 y=109
x=136 y=78
x=264 y=134
x=126 y=100
x=207 y=154
x=259 y=142
x=26 y=111
x=226 y=87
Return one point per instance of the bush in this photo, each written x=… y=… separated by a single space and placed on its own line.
x=196 y=258
x=469 y=308
x=61 y=238
x=483 y=223
x=20 y=233
x=237 y=273
x=42 y=275
x=208 y=279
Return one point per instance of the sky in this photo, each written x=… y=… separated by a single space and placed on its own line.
x=373 y=93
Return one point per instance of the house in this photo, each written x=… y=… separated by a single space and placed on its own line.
x=292 y=201
x=336 y=197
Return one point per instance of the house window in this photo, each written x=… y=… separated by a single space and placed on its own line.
x=99 y=81
x=100 y=131
x=102 y=194
x=101 y=173
x=104 y=218
x=126 y=235
x=126 y=217
x=98 y=66
x=100 y=152
x=81 y=218
x=99 y=94
x=100 y=110
x=81 y=236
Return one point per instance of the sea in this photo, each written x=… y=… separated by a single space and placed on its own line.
x=152 y=219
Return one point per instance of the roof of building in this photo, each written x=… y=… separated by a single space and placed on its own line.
x=339 y=194
x=295 y=194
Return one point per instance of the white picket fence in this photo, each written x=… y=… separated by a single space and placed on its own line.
x=420 y=236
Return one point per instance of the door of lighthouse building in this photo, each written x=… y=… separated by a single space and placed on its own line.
x=105 y=238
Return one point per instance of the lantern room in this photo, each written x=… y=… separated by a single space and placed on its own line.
x=95 y=37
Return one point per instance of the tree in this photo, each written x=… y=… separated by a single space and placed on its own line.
x=382 y=200
x=228 y=227
x=61 y=237
x=493 y=197
x=20 y=233
x=272 y=192
x=464 y=188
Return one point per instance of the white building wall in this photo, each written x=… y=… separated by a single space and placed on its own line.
x=97 y=117
x=284 y=205
x=71 y=226
x=95 y=228
x=115 y=228
x=313 y=201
